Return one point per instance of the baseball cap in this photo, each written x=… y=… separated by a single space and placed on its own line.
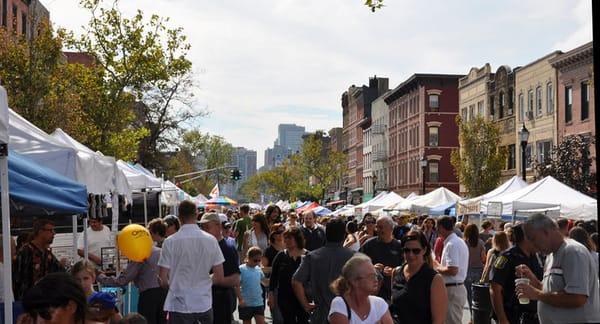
x=103 y=299
x=224 y=219
x=210 y=217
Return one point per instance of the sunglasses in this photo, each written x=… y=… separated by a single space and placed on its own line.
x=278 y=232
x=369 y=222
x=413 y=251
x=256 y=260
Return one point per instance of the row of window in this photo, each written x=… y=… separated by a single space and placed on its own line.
x=542 y=149
x=585 y=102
x=405 y=139
x=408 y=172
x=14 y=18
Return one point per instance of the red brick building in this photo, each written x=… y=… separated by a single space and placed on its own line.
x=356 y=111
x=21 y=16
x=422 y=123
x=575 y=91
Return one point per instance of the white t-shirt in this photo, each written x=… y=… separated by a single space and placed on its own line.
x=378 y=308
x=96 y=240
x=189 y=255
x=455 y=254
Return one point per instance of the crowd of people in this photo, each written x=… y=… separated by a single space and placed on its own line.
x=205 y=266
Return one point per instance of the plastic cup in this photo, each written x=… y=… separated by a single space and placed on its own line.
x=522 y=300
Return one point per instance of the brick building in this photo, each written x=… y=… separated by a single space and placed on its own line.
x=356 y=111
x=21 y=16
x=575 y=90
x=422 y=112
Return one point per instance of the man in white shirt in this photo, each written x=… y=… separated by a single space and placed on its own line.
x=453 y=267
x=98 y=237
x=186 y=260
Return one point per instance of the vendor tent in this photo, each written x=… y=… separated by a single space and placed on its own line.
x=35 y=185
x=83 y=167
x=548 y=194
x=479 y=204
x=347 y=210
x=136 y=178
x=321 y=211
x=120 y=181
x=221 y=201
x=431 y=199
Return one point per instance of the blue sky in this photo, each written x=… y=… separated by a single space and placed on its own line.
x=261 y=63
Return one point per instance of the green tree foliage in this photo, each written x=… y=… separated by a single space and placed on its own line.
x=306 y=175
x=570 y=163
x=147 y=77
x=374 y=4
x=479 y=162
x=201 y=151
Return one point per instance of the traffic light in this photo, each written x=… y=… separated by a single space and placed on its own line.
x=236 y=175
x=232 y=174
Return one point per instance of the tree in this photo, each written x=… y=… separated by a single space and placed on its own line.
x=147 y=74
x=570 y=163
x=374 y=4
x=320 y=166
x=479 y=162
x=202 y=151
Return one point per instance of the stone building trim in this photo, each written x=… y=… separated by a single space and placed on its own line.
x=434 y=92
x=433 y=124
x=434 y=157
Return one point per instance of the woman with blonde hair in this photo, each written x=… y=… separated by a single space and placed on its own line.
x=500 y=243
x=355 y=288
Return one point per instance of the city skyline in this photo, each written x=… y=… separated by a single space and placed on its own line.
x=292 y=61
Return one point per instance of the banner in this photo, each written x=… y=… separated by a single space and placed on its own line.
x=494 y=208
x=468 y=209
x=214 y=192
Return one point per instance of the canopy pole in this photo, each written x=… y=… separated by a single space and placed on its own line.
x=85 y=238
x=514 y=217
x=74 y=250
x=6 y=253
x=115 y=212
x=145 y=208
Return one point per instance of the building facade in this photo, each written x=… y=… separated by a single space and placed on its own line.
x=290 y=136
x=375 y=149
x=422 y=113
x=535 y=89
x=356 y=111
x=22 y=16
x=575 y=94
x=501 y=99
x=473 y=95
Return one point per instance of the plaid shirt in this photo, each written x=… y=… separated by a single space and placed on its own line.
x=32 y=264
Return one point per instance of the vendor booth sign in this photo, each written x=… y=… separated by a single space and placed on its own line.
x=494 y=208
x=468 y=209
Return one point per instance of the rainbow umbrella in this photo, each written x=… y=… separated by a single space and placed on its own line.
x=221 y=200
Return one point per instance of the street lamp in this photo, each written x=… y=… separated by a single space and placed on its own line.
x=523 y=137
x=423 y=164
x=374 y=184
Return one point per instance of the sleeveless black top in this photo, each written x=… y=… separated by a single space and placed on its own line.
x=411 y=300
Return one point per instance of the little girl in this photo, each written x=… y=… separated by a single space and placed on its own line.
x=85 y=272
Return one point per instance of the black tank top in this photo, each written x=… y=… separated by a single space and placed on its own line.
x=411 y=300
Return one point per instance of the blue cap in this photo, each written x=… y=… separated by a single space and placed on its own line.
x=103 y=299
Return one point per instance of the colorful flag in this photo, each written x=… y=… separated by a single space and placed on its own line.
x=214 y=192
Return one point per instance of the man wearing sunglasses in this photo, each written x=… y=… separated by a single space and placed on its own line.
x=35 y=259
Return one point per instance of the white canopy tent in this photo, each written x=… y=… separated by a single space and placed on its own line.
x=479 y=204
x=431 y=199
x=379 y=202
x=137 y=179
x=97 y=174
x=347 y=210
x=548 y=194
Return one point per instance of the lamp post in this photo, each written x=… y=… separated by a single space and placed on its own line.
x=523 y=137
x=423 y=164
x=374 y=184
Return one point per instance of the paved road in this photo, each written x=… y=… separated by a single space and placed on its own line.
x=466 y=315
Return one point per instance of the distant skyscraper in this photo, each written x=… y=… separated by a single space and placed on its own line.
x=290 y=136
x=288 y=142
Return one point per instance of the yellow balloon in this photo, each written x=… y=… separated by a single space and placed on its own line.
x=135 y=243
